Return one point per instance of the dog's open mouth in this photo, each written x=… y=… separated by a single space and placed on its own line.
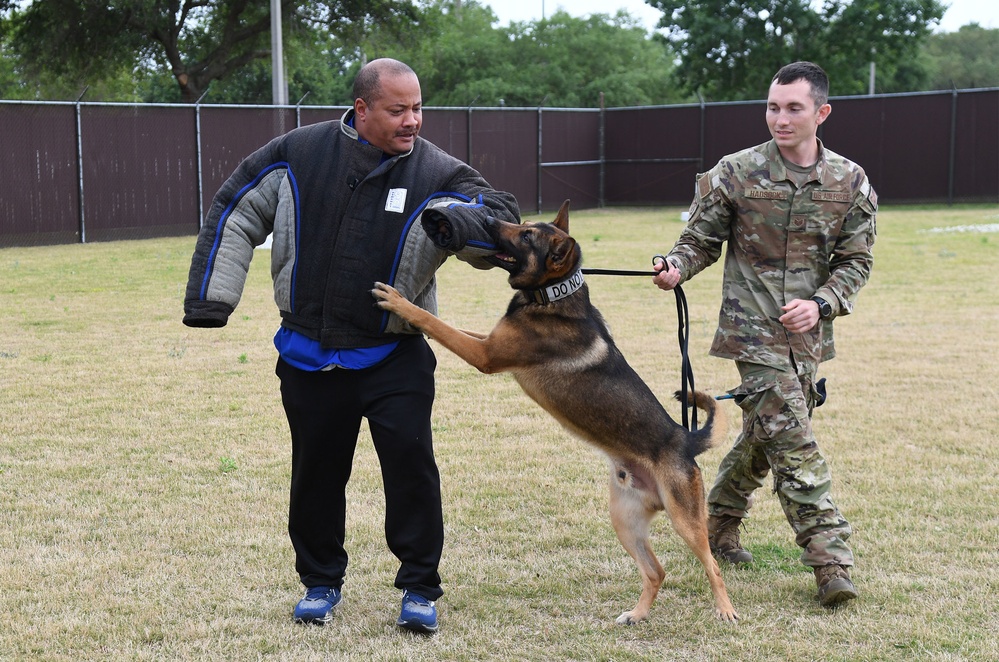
x=503 y=261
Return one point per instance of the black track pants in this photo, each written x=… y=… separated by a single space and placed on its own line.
x=324 y=411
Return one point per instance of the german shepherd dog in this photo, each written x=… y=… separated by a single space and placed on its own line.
x=560 y=351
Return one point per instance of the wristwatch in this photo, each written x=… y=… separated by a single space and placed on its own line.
x=825 y=310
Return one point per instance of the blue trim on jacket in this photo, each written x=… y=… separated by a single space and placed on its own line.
x=228 y=210
x=412 y=219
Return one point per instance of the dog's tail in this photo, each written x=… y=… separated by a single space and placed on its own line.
x=715 y=428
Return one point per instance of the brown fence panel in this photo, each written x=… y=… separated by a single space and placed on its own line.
x=653 y=154
x=902 y=143
x=730 y=128
x=228 y=135
x=139 y=171
x=448 y=129
x=976 y=153
x=504 y=150
x=315 y=115
x=502 y=144
x=568 y=137
x=39 y=184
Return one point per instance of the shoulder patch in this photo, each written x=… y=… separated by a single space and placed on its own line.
x=703 y=185
x=867 y=191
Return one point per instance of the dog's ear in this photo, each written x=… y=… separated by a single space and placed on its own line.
x=560 y=249
x=562 y=219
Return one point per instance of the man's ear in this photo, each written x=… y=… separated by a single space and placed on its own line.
x=823 y=114
x=360 y=109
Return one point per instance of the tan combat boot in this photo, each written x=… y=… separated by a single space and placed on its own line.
x=723 y=536
x=834 y=585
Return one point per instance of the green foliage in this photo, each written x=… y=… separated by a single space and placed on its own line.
x=196 y=43
x=964 y=59
x=79 y=38
x=152 y=51
x=147 y=53
x=460 y=57
x=561 y=61
x=572 y=60
x=310 y=70
x=48 y=76
x=730 y=49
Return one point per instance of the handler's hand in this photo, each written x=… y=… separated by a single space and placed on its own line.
x=800 y=315
x=667 y=277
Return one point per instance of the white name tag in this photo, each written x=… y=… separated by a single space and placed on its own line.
x=396 y=200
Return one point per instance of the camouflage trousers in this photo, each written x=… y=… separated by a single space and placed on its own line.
x=777 y=436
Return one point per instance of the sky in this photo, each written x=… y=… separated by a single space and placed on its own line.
x=959 y=12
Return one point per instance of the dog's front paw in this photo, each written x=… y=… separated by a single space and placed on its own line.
x=386 y=297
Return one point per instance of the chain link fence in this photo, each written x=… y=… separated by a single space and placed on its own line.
x=84 y=171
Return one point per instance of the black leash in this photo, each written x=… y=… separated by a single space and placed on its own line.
x=617 y=272
x=683 y=335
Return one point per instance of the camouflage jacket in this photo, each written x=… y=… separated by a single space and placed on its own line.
x=784 y=242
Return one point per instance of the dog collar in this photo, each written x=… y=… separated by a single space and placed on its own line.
x=559 y=290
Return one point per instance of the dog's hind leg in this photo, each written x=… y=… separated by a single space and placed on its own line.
x=688 y=513
x=633 y=504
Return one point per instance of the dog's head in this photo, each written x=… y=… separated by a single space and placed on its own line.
x=535 y=254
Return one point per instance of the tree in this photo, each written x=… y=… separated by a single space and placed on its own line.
x=197 y=41
x=963 y=59
x=572 y=60
x=730 y=49
x=150 y=54
x=311 y=71
x=562 y=61
x=460 y=57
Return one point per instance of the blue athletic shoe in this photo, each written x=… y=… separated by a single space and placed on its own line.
x=318 y=605
x=418 y=614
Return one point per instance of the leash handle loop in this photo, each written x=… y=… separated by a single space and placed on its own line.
x=686 y=369
x=683 y=337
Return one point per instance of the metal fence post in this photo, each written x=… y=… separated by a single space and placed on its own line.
x=602 y=137
x=700 y=157
x=468 y=131
x=197 y=147
x=298 y=111
x=953 y=145
x=540 y=161
x=79 y=167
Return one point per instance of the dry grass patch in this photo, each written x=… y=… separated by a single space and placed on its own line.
x=144 y=471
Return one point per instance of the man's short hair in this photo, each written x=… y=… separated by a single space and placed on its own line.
x=809 y=71
x=368 y=86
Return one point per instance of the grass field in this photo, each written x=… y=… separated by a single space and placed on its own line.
x=144 y=471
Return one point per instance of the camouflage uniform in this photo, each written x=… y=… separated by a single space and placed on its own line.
x=792 y=233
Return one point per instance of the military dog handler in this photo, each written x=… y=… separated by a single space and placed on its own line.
x=800 y=225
